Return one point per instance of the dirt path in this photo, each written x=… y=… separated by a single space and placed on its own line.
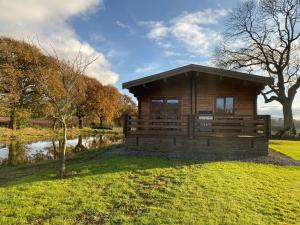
x=274 y=157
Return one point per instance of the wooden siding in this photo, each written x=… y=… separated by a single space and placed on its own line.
x=176 y=87
x=199 y=93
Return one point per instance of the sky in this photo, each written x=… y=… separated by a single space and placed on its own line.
x=130 y=38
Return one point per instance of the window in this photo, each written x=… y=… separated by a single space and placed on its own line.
x=220 y=105
x=172 y=108
x=157 y=108
x=167 y=108
x=224 y=105
x=229 y=105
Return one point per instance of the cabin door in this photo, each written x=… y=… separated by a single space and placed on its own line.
x=165 y=108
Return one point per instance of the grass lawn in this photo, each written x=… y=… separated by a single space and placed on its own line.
x=132 y=190
x=289 y=148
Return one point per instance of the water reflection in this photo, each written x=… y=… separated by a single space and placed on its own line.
x=16 y=152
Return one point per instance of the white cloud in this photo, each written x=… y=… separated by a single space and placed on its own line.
x=145 y=69
x=97 y=38
x=164 y=44
x=170 y=53
x=158 y=30
x=125 y=26
x=275 y=108
x=48 y=21
x=190 y=29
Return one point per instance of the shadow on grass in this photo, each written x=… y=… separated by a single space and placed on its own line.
x=89 y=163
x=85 y=163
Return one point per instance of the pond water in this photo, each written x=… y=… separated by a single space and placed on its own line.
x=16 y=152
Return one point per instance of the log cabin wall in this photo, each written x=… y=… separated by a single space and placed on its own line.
x=177 y=87
x=208 y=88
x=198 y=93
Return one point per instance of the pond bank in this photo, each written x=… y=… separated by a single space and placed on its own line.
x=37 y=134
x=15 y=151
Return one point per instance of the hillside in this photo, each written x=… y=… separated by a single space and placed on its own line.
x=277 y=124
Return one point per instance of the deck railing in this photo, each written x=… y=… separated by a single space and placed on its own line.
x=192 y=126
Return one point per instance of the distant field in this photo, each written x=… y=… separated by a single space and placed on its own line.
x=143 y=190
x=289 y=148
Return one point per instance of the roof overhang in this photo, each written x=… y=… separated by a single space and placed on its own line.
x=200 y=69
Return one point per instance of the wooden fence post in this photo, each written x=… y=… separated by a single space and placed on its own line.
x=125 y=126
x=191 y=126
x=267 y=126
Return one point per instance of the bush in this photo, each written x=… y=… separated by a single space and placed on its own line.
x=23 y=118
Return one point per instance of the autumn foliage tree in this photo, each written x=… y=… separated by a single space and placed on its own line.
x=128 y=106
x=80 y=103
x=18 y=86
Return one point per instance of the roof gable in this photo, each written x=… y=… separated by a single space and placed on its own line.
x=201 y=69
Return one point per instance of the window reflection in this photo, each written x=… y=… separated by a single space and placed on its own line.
x=220 y=105
x=224 y=105
x=168 y=108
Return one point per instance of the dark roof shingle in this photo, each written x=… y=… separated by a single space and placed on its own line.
x=201 y=69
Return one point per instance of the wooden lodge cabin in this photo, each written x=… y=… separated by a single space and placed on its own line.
x=197 y=112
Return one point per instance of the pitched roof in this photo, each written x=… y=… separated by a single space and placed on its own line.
x=200 y=69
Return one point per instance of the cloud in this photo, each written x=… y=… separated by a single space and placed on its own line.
x=96 y=38
x=47 y=22
x=145 y=69
x=126 y=27
x=158 y=30
x=170 y=53
x=190 y=29
x=275 y=108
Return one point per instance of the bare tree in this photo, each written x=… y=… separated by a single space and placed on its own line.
x=57 y=81
x=264 y=35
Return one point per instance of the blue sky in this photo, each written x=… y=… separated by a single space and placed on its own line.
x=130 y=38
x=120 y=30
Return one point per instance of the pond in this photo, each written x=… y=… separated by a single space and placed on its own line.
x=16 y=152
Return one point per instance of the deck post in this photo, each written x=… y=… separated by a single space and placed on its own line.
x=191 y=126
x=267 y=126
x=125 y=126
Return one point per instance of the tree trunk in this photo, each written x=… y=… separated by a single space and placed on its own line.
x=64 y=149
x=13 y=120
x=289 y=126
x=54 y=124
x=55 y=155
x=101 y=121
x=80 y=123
x=79 y=147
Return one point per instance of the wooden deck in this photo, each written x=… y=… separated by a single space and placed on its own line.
x=193 y=127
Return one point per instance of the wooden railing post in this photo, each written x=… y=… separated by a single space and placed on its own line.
x=267 y=119
x=191 y=126
x=125 y=126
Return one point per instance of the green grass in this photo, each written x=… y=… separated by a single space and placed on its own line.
x=289 y=148
x=132 y=190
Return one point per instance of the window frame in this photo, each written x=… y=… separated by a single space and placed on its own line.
x=224 y=108
x=165 y=105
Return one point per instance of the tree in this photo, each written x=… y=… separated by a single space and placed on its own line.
x=80 y=103
x=18 y=89
x=103 y=101
x=90 y=98
x=94 y=96
x=128 y=106
x=264 y=35
x=111 y=107
x=57 y=81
